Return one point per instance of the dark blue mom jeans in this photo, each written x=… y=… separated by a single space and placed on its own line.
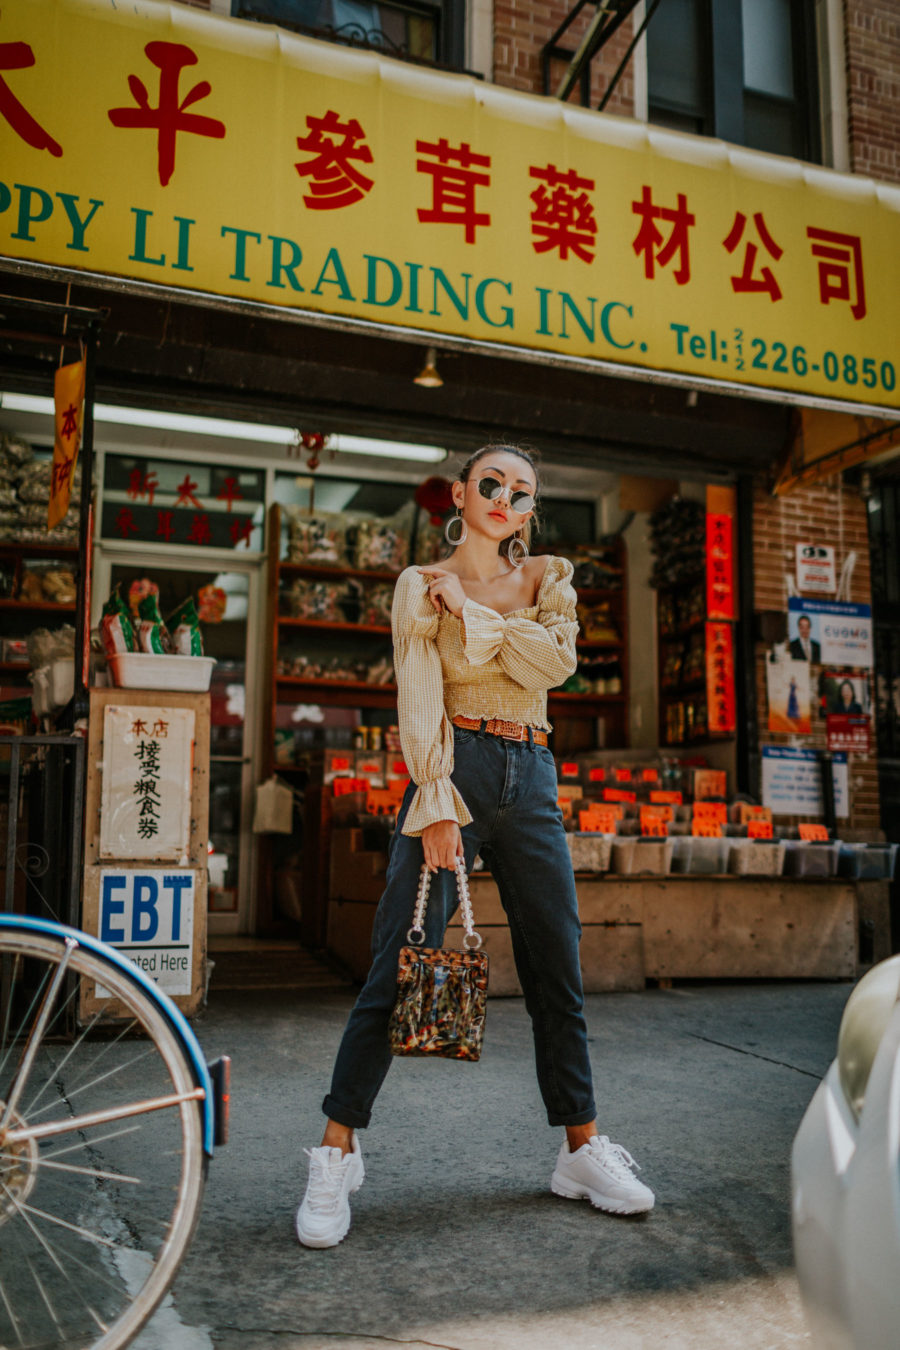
x=510 y=790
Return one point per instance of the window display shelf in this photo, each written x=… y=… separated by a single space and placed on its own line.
x=334 y=573
x=36 y=607
x=329 y=626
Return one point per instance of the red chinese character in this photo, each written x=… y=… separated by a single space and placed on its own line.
x=169 y=116
x=141 y=484
x=240 y=530
x=837 y=253
x=165 y=525
x=161 y=729
x=335 y=181
x=649 y=241
x=230 y=493
x=563 y=218
x=19 y=56
x=60 y=474
x=453 y=189
x=199 y=532
x=138 y=727
x=70 y=422
x=125 y=522
x=746 y=282
x=186 y=489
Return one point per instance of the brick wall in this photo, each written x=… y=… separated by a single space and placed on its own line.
x=873 y=87
x=520 y=31
x=829 y=513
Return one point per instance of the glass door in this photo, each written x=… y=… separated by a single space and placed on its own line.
x=227 y=596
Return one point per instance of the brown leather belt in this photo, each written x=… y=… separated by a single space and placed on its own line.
x=495 y=726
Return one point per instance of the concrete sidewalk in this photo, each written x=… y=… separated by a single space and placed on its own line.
x=457 y=1240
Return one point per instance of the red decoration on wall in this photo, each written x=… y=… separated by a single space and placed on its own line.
x=720 y=698
x=719 y=566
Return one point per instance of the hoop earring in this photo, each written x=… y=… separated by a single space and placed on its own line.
x=462 y=533
x=517 y=551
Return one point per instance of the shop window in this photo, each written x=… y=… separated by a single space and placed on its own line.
x=164 y=501
x=564 y=522
x=431 y=33
x=744 y=70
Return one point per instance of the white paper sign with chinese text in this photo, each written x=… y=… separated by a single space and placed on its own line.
x=148 y=914
x=816 y=569
x=146 y=804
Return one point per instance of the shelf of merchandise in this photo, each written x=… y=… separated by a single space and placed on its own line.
x=574 y=715
x=328 y=626
x=36 y=607
x=686 y=690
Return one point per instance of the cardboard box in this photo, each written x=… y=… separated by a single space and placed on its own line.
x=356 y=873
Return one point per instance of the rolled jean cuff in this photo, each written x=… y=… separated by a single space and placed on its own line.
x=573 y=1117
x=345 y=1115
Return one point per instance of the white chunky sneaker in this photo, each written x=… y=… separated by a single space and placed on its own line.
x=602 y=1173
x=323 y=1218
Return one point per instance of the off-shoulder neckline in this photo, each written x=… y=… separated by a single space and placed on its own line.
x=524 y=609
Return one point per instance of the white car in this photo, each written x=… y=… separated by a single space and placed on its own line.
x=846 y=1178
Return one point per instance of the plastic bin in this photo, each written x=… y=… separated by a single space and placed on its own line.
x=653 y=856
x=867 y=862
x=709 y=855
x=682 y=847
x=590 y=851
x=755 y=858
x=802 y=859
x=147 y=670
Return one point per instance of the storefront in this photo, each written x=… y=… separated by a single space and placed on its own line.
x=649 y=309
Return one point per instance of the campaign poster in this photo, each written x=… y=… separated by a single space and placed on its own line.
x=790 y=710
x=830 y=632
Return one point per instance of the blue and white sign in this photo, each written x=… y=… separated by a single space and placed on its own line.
x=792 y=782
x=830 y=632
x=149 y=916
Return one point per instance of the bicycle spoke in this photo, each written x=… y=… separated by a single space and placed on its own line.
x=58 y=1068
x=24 y=1021
x=101 y=1078
x=37 y=1033
x=95 y=1140
x=85 y=1122
x=83 y=1171
x=23 y=1208
x=46 y=1298
x=13 y=1320
x=39 y=1237
x=78 y=1085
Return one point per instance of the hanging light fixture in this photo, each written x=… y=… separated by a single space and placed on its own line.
x=428 y=376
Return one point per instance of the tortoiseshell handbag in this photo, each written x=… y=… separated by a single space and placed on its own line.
x=441 y=994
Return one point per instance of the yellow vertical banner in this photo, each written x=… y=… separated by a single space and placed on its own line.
x=68 y=397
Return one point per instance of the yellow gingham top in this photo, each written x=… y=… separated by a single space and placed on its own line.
x=482 y=665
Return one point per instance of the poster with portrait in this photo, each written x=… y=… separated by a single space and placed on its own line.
x=846 y=703
x=788 y=687
x=830 y=632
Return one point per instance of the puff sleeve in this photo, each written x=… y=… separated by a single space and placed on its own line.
x=539 y=652
x=426 y=733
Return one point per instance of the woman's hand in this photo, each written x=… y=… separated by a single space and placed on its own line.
x=445 y=586
x=442 y=843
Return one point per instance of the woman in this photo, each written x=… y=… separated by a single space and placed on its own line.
x=847 y=702
x=477 y=644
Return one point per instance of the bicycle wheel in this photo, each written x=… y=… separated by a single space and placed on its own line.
x=101 y=1153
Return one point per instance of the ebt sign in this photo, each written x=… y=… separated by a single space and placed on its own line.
x=149 y=916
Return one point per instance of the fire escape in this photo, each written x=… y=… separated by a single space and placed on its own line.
x=609 y=15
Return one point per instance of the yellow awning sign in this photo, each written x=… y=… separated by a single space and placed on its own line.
x=238 y=160
x=68 y=398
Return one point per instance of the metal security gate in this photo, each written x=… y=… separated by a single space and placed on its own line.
x=42 y=825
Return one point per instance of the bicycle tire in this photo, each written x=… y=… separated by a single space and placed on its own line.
x=106 y=1219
